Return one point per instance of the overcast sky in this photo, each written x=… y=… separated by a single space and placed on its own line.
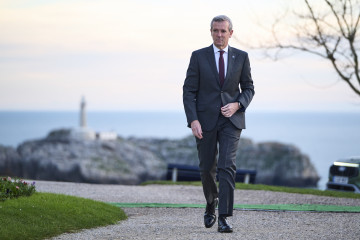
x=133 y=55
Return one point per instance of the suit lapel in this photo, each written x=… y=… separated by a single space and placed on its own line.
x=231 y=61
x=211 y=59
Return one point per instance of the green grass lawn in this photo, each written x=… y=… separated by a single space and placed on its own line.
x=271 y=188
x=45 y=215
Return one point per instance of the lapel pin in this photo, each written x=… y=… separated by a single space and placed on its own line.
x=233 y=56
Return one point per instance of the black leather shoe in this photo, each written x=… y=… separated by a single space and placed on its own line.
x=224 y=226
x=209 y=216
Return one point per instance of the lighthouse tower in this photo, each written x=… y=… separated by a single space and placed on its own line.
x=82 y=132
x=83 y=113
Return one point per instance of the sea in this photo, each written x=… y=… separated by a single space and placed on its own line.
x=324 y=136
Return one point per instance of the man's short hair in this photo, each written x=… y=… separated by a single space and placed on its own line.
x=222 y=18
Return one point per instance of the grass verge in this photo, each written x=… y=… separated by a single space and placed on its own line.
x=45 y=215
x=271 y=188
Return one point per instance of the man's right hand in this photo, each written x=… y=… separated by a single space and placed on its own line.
x=196 y=129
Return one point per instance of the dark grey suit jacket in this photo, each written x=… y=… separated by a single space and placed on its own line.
x=202 y=94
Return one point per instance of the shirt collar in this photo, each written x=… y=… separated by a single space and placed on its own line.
x=216 y=50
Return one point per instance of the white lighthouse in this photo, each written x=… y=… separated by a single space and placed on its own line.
x=83 y=113
x=84 y=133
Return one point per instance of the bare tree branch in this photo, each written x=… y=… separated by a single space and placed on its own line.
x=329 y=32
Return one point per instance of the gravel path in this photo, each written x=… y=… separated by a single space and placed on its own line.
x=186 y=223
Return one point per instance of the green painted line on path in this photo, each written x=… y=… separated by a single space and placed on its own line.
x=266 y=207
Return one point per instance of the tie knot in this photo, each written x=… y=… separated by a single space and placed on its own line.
x=221 y=52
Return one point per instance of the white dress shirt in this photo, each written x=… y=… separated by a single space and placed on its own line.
x=225 y=56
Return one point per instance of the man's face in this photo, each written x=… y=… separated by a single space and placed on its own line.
x=221 y=34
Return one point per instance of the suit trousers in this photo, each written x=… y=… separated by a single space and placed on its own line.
x=225 y=136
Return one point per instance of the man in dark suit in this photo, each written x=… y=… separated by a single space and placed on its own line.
x=217 y=90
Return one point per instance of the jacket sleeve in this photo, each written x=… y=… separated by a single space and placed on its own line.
x=190 y=89
x=246 y=85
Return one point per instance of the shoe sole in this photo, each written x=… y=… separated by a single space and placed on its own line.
x=225 y=231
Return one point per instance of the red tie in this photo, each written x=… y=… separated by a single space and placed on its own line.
x=221 y=68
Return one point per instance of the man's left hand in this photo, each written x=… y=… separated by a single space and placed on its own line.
x=229 y=109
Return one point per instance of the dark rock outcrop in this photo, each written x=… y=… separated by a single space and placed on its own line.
x=275 y=163
x=61 y=157
x=10 y=162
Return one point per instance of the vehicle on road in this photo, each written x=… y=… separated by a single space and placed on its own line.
x=344 y=175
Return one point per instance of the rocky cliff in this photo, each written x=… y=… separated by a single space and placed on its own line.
x=63 y=158
x=275 y=163
x=10 y=162
x=134 y=160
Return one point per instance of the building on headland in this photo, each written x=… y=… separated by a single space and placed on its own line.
x=106 y=135
x=85 y=133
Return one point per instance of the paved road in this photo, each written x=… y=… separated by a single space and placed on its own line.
x=186 y=223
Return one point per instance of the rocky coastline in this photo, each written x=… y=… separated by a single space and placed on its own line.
x=61 y=157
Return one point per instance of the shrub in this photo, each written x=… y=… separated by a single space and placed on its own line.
x=13 y=188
